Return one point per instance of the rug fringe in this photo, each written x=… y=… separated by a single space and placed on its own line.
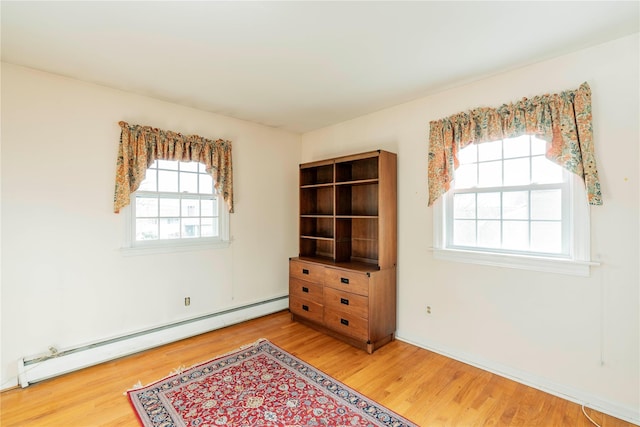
x=134 y=387
x=180 y=369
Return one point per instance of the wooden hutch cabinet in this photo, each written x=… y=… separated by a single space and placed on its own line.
x=344 y=280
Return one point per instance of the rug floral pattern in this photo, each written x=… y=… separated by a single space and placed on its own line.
x=261 y=385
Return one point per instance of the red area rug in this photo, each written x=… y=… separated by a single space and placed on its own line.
x=258 y=385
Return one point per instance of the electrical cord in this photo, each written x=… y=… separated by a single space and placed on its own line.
x=589 y=418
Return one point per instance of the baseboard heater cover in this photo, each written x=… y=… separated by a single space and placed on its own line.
x=38 y=368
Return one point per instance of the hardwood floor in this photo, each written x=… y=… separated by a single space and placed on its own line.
x=427 y=388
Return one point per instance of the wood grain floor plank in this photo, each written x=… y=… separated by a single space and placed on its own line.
x=429 y=389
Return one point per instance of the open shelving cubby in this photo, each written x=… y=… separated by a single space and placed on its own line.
x=343 y=281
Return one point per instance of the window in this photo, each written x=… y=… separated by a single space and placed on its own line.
x=510 y=206
x=176 y=206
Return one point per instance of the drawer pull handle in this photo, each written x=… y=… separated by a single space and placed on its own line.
x=305 y=271
x=344 y=280
x=305 y=307
x=305 y=289
x=344 y=301
x=345 y=322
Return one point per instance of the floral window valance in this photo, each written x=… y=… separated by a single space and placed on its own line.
x=140 y=146
x=563 y=120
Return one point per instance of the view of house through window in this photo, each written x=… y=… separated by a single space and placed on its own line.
x=507 y=197
x=176 y=200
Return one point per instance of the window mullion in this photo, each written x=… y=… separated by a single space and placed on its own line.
x=531 y=185
x=506 y=189
x=476 y=218
x=567 y=215
x=501 y=222
x=530 y=225
x=179 y=175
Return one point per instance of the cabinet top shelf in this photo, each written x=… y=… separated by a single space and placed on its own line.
x=327 y=184
x=355 y=182
x=303 y=236
x=345 y=265
x=358 y=182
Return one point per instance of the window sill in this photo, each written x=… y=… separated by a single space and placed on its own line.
x=548 y=265
x=170 y=247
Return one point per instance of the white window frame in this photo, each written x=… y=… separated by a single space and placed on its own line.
x=131 y=246
x=575 y=262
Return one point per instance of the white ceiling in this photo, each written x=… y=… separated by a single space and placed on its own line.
x=299 y=65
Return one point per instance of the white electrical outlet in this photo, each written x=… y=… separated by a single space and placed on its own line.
x=187 y=301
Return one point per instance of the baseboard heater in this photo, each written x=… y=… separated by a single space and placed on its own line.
x=37 y=368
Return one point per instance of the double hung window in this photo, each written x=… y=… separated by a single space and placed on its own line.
x=176 y=206
x=511 y=206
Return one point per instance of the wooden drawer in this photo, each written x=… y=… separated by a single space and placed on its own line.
x=347 y=324
x=306 y=271
x=306 y=290
x=306 y=308
x=350 y=281
x=346 y=302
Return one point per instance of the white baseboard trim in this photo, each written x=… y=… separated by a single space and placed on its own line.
x=41 y=367
x=580 y=397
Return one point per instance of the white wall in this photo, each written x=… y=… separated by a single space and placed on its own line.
x=64 y=281
x=574 y=336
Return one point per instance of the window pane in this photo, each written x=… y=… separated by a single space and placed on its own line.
x=516 y=172
x=190 y=227
x=185 y=194
x=546 y=204
x=538 y=146
x=190 y=207
x=489 y=205
x=146 y=229
x=208 y=207
x=150 y=181
x=545 y=171
x=464 y=232
x=170 y=228
x=167 y=164
x=515 y=205
x=188 y=182
x=546 y=237
x=466 y=176
x=146 y=206
x=167 y=181
x=488 y=213
x=206 y=184
x=169 y=207
x=468 y=154
x=189 y=166
x=489 y=234
x=515 y=235
x=464 y=206
x=209 y=227
x=516 y=147
x=490 y=174
x=490 y=150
